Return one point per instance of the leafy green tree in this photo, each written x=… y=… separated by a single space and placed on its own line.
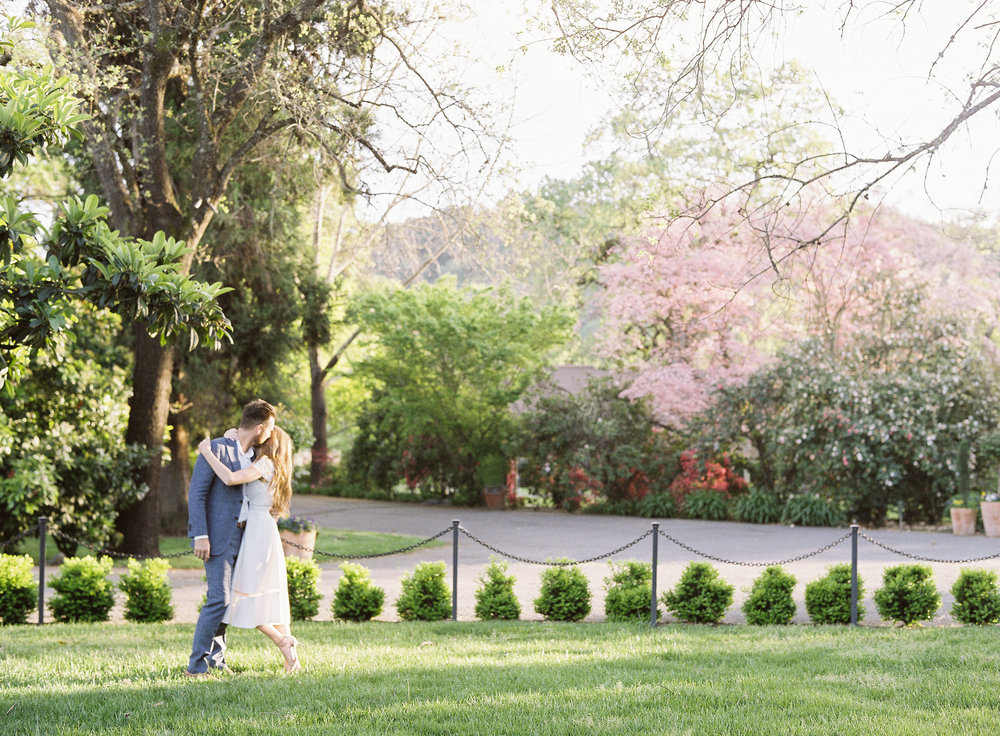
x=79 y=259
x=183 y=94
x=445 y=365
x=61 y=428
x=594 y=445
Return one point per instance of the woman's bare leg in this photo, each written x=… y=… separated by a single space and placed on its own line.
x=281 y=635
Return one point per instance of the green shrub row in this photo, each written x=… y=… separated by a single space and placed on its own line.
x=907 y=595
x=757 y=506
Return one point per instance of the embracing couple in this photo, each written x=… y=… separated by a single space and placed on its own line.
x=240 y=485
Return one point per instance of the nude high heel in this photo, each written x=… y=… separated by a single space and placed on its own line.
x=287 y=647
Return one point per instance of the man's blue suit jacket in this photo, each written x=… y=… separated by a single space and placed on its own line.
x=214 y=507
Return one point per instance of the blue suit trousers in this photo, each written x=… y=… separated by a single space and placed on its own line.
x=209 y=647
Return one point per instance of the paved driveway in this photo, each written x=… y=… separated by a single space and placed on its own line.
x=541 y=535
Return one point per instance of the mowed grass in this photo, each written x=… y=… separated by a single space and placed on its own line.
x=329 y=544
x=509 y=678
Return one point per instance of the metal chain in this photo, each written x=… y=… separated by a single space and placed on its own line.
x=19 y=537
x=112 y=553
x=399 y=551
x=552 y=563
x=924 y=559
x=744 y=563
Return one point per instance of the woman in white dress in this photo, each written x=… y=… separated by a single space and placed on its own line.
x=259 y=595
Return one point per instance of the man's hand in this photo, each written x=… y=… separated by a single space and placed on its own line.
x=202 y=548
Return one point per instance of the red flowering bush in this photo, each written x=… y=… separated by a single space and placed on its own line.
x=710 y=475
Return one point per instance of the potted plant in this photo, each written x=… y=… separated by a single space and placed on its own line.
x=298 y=536
x=492 y=472
x=963 y=513
x=990 y=506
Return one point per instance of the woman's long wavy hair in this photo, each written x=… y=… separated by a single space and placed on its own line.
x=278 y=447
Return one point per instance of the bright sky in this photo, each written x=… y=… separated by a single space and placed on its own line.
x=879 y=78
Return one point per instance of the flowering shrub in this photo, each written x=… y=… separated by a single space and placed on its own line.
x=874 y=423
x=594 y=446
x=711 y=475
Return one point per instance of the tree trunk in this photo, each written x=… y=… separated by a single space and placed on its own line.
x=175 y=478
x=148 y=408
x=320 y=449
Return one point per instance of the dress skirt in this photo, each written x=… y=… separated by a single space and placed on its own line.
x=259 y=592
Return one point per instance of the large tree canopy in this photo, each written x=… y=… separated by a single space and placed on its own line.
x=182 y=93
x=78 y=258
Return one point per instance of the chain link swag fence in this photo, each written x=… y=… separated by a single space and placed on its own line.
x=42 y=531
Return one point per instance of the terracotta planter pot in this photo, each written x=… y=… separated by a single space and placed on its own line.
x=991 y=517
x=495 y=497
x=963 y=521
x=303 y=539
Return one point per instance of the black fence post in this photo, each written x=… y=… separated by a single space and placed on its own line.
x=454 y=570
x=652 y=603
x=42 y=533
x=854 y=574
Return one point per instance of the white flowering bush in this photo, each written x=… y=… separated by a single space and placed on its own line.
x=876 y=421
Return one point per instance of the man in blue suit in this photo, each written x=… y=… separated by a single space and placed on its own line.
x=216 y=529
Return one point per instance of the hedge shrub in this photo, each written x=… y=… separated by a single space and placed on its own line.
x=356 y=598
x=977 y=600
x=629 y=591
x=828 y=599
x=425 y=596
x=18 y=589
x=907 y=594
x=657 y=506
x=770 y=600
x=700 y=596
x=147 y=591
x=303 y=587
x=495 y=599
x=83 y=590
x=810 y=509
x=706 y=504
x=757 y=507
x=565 y=594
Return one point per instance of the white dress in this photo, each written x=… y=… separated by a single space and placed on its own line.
x=259 y=591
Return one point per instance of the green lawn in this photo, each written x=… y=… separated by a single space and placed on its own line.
x=330 y=541
x=515 y=678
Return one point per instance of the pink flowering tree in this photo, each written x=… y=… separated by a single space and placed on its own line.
x=698 y=305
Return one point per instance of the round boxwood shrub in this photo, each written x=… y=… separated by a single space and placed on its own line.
x=770 y=600
x=303 y=587
x=18 y=590
x=907 y=594
x=83 y=590
x=977 y=600
x=828 y=599
x=495 y=599
x=700 y=596
x=629 y=591
x=565 y=594
x=356 y=598
x=757 y=507
x=147 y=591
x=425 y=596
x=707 y=505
